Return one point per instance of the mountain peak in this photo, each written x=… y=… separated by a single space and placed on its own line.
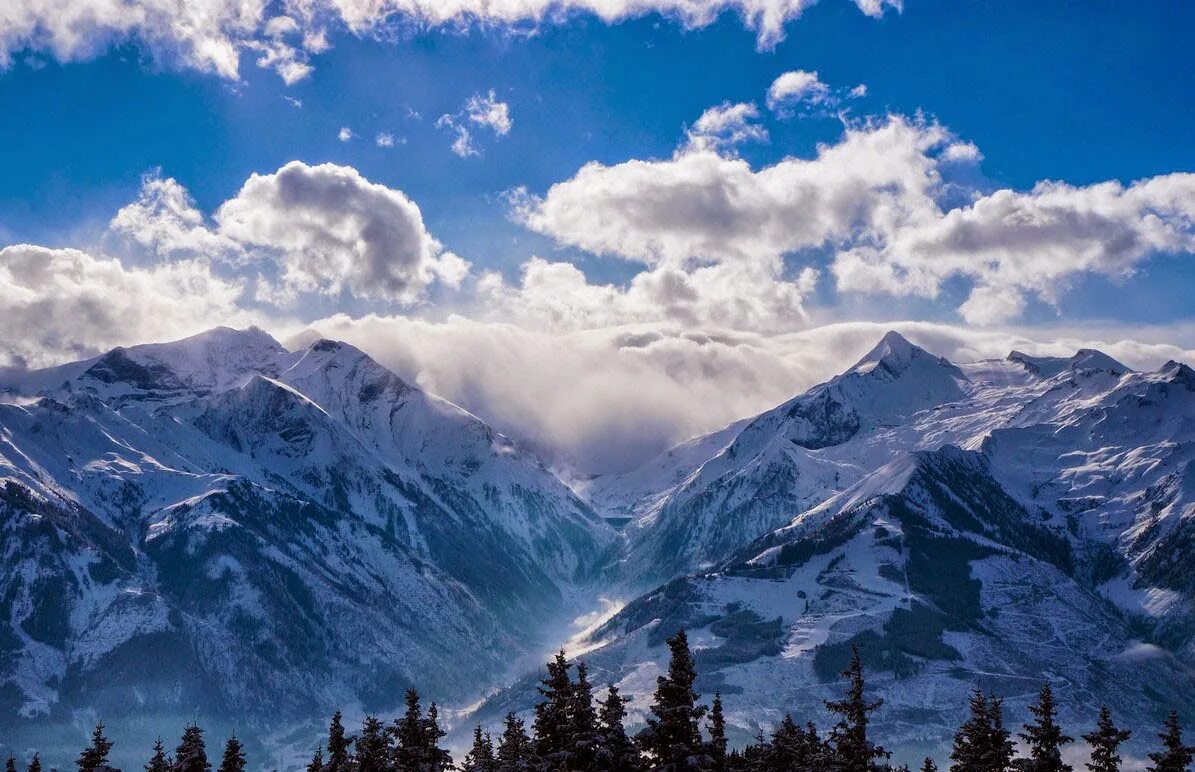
x=893 y=349
x=1092 y=359
x=895 y=354
x=1084 y=360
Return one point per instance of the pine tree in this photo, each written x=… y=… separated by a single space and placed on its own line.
x=339 y=759
x=317 y=761
x=672 y=736
x=717 y=730
x=10 y=765
x=789 y=747
x=410 y=735
x=516 y=752
x=616 y=751
x=583 y=731
x=853 y=751
x=928 y=765
x=1044 y=737
x=480 y=757
x=1105 y=741
x=435 y=758
x=96 y=754
x=234 y=756
x=373 y=747
x=34 y=764
x=998 y=748
x=1174 y=756
x=552 y=719
x=158 y=762
x=191 y=754
x=970 y=741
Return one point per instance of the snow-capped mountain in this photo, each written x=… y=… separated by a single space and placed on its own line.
x=697 y=503
x=222 y=526
x=995 y=522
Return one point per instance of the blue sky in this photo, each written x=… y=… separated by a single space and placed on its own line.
x=1083 y=94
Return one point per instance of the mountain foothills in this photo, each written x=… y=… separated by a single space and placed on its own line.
x=221 y=528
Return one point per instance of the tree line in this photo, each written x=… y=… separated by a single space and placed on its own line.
x=572 y=731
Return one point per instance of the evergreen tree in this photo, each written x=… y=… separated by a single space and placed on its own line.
x=410 y=735
x=516 y=753
x=998 y=749
x=756 y=757
x=1105 y=741
x=789 y=749
x=96 y=754
x=970 y=741
x=552 y=715
x=717 y=730
x=373 y=747
x=234 y=756
x=34 y=764
x=928 y=765
x=853 y=751
x=11 y=764
x=583 y=732
x=1174 y=756
x=158 y=762
x=480 y=757
x=616 y=751
x=191 y=754
x=1044 y=737
x=339 y=759
x=672 y=736
x=317 y=761
x=436 y=758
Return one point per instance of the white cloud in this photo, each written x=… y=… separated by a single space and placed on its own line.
x=487 y=111
x=480 y=110
x=212 y=35
x=462 y=142
x=383 y=139
x=606 y=398
x=345 y=134
x=1015 y=244
x=63 y=304
x=706 y=206
x=858 y=92
x=727 y=125
x=794 y=87
x=332 y=230
x=165 y=222
x=876 y=200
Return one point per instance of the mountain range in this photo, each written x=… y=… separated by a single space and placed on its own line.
x=221 y=527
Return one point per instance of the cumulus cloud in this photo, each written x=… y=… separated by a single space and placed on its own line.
x=796 y=86
x=707 y=206
x=384 y=139
x=1014 y=244
x=727 y=125
x=484 y=111
x=345 y=134
x=63 y=304
x=331 y=230
x=877 y=202
x=165 y=222
x=211 y=36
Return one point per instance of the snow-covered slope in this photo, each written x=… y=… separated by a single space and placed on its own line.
x=998 y=521
x=940 y=577
x=222 y=526
x=701 y=501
